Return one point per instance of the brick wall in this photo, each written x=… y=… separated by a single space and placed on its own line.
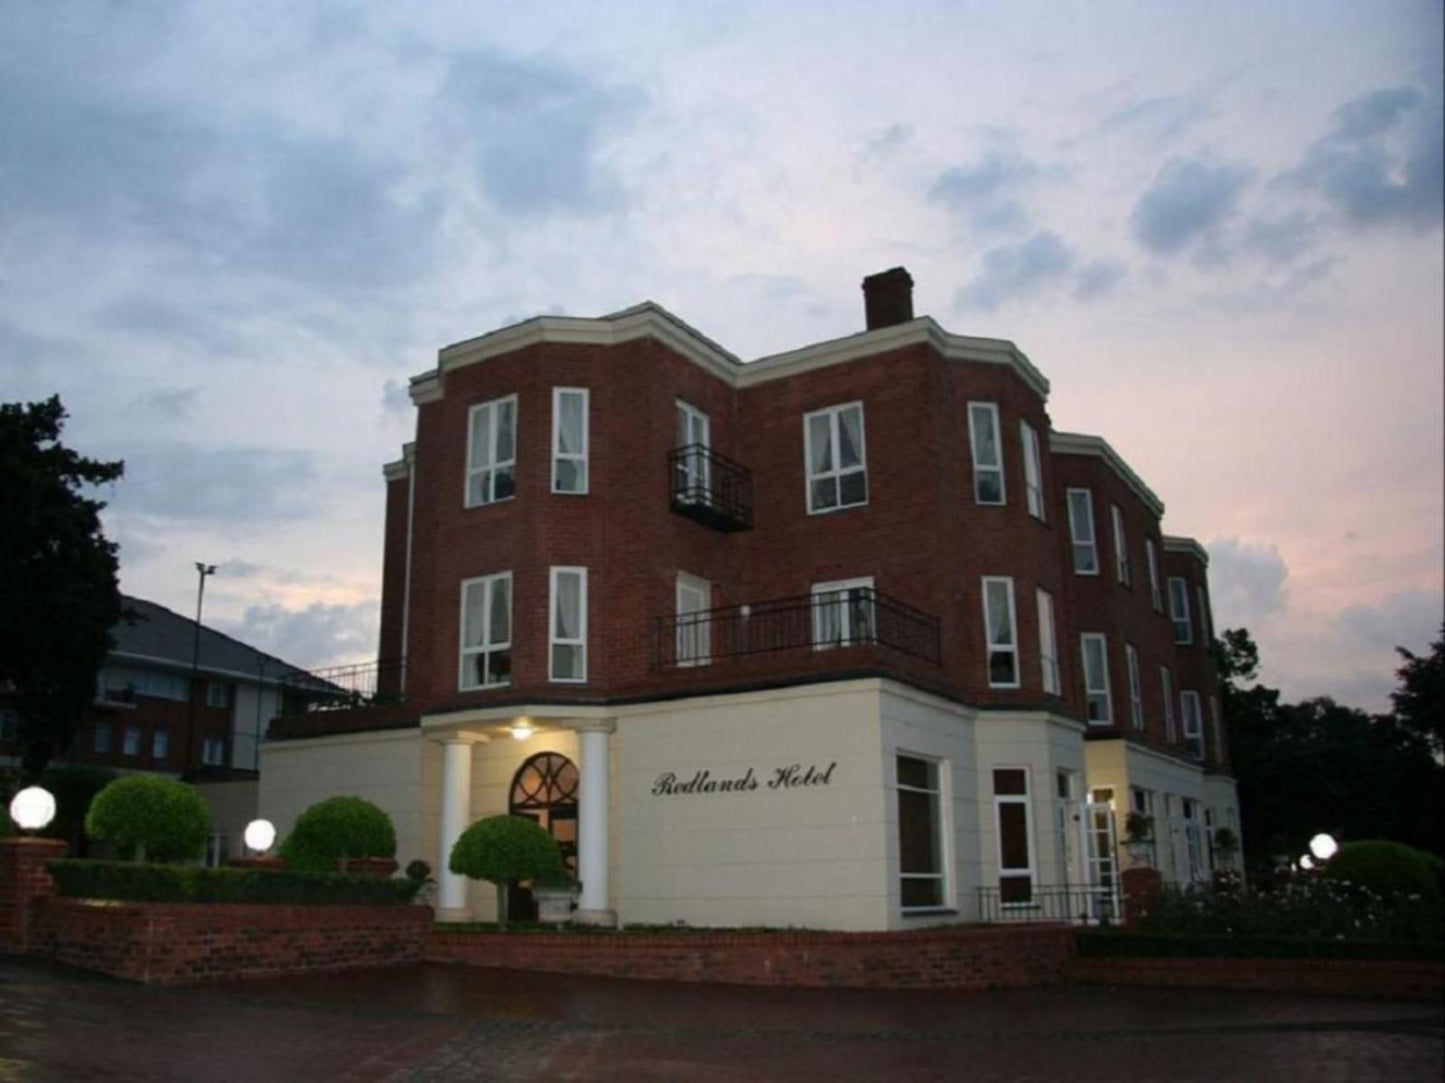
x=928 y=959
x=183 y=943
x=23 y=879
x=1337 y=977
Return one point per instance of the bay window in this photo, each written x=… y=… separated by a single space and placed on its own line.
x=567 y=626
x=491 y=451
x=570 y=439
x=486 y=632
x=837 y=462
x=988 y=487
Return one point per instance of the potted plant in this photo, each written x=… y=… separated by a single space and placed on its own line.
x=505 y=850
x=1139 y=837
x=419 y=871
x=556 y=894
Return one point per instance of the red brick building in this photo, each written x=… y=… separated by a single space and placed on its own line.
x=855 y=609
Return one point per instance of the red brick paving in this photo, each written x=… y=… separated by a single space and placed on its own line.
x=432 y=1023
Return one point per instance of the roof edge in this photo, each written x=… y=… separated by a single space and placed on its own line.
x=1078 y=443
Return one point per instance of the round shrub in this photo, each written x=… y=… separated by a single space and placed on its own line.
x=338 y=828
x=147 y=816
x=1387 y=868
x=505 y=850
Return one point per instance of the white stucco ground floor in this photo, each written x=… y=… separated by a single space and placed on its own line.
x=853 y=805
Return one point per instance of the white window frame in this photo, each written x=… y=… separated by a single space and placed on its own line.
x=695 y=469
x=1166 y=693
x=1136 y=689
x=993 y=583
x=1078 y=535
x=1193 y=842
x=1156 y=595
x=492 y=465
x=100 y=739
x=1122 y=570
x=130 y=741
x=981 y=470
x=838 y=472
x=1179 y=600
x=938 y=809
x=213 y=700
x=1191 y=712
x=845 y=619
x=1048 y=643
x=213 y=752
x=560 y=456
x=693 y=646
x=1024 y=799
x=1033 y=471
x=1206 y=619
x=1091 y=691
x=486 y=583
x=160 y=743
x=554 y=639
x=1218 y=726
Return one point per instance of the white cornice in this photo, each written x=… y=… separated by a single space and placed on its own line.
x=651 y=320
x=1077 y=443
x=1175 y=544
x=401 y=468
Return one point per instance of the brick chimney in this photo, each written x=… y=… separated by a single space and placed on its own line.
x=888 y=298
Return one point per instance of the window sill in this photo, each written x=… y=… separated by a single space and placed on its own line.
x=489 y=503
x=928 y=911
x=840 y=507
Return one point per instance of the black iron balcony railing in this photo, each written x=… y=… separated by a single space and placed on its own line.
x=369 y=684
x=711 y=488
x=1078 y=904
x=855 y=617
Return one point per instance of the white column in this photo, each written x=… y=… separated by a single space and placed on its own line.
x=456 y=817
x=593 y=798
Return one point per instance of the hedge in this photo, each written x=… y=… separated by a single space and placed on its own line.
x=1159 y=945
x=132 y=882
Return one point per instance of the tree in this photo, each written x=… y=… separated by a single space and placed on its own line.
x=1318 y=766
x=58 y=594
x=335 y=829
x=1420 y=699
x=505 y=850
x=151 y=818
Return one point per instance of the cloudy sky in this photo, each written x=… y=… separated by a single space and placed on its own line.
x=229 y=233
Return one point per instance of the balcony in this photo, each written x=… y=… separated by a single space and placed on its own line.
x=342 y=699
x=830 y=627
x=711 y=489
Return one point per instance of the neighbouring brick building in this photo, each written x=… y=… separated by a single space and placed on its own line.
x=170 y=702
x=845 y=637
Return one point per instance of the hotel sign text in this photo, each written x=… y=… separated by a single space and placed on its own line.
x=793 y=776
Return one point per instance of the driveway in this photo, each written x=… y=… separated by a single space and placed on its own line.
x=443 y=1023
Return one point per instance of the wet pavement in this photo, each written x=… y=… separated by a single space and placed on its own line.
x=444 y=1023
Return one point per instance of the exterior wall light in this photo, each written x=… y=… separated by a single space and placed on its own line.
x=522 y=729
x=32 y=808
x=260 y=836
x=1324 y=846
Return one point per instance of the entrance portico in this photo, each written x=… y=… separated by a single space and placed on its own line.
x=459 y=736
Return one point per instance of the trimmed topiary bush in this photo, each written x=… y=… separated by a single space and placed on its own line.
x=151 y=818
x=1389 y=869
x=506 y=850
x=338 y=828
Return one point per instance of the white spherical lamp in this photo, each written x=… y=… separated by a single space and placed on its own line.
x=32 y=808
x=1324 y=846
x=260 y=834
x=1306 y=862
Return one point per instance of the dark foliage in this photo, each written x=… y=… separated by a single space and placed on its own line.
x=1420 y=699
x=133 y=882
x=58 y=589
x=1319 y=766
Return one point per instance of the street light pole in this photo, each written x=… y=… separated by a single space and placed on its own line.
x=202 y=570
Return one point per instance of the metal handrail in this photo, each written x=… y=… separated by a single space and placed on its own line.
x=366 y=684
x=863 y=616
x=710 y=485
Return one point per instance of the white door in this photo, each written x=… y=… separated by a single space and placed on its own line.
x=1099 y=844
x=694 y=478
x=694 y=633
